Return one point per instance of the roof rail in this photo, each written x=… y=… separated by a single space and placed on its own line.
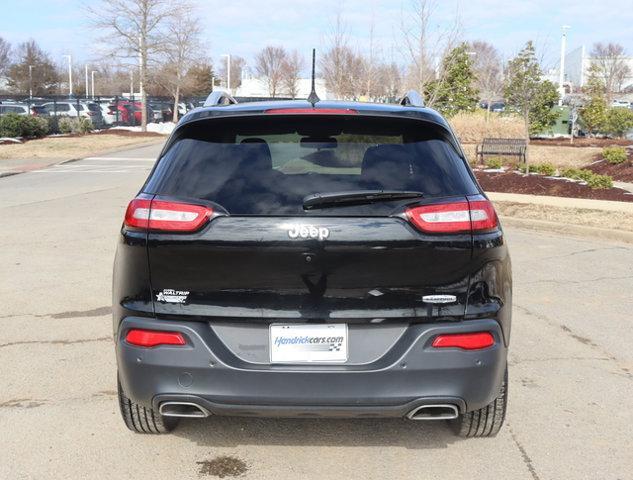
x=412 y=99
x=219 y=98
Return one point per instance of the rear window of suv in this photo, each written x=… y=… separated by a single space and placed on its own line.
x=267 y=165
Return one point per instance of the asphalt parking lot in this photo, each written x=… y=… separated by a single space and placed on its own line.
x=571 y=361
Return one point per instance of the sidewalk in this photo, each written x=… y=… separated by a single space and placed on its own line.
x=562 y=202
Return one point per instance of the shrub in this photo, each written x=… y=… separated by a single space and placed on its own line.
x=593 y=180
x=600 y=181
x=494 y=162
x=618 y=121
x=614 y=155
x=546 y=169
x=14 y=125
x=75 y=125
x=570 y=173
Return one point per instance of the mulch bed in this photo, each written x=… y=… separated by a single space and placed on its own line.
x=581 y=142
x=510 y=182
x=622 y=172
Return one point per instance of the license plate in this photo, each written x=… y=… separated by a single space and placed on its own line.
x=308 y=343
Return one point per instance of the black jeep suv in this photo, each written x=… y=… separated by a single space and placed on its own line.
x=312 y=259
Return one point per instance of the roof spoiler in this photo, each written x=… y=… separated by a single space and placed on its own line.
x=412 y=99
x=219 y=98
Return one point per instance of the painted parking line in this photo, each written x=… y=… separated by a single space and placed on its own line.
x=121 y=159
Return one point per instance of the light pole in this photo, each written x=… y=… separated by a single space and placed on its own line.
x=70 y=74
x=92 y=77
x=86 y=80
x=30 y=81
x=228 y=71
x=561 y=73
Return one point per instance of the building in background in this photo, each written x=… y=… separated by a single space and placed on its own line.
x=258 y=88
x=577 y=65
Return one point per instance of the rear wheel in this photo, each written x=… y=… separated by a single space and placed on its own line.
x=143 y=420
x=487 y=421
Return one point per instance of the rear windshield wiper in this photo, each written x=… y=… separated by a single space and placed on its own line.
x=356 y=197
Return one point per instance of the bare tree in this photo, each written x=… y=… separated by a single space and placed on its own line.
x=610 y=60
x=5 y=56
x=181 y=53
x=488 y=68
x=269 y=64
x=42 y=77
x=341 y=67
x=134 y=29
x=291 y=71
x=237 y=65
x=422 y=46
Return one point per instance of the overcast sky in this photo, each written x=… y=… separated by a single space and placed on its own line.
x=244 y=27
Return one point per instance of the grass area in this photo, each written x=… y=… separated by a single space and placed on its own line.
x=66 y=148
x=575 y=216
x=473 y=128
x=560 y=157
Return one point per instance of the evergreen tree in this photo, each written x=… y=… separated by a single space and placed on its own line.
x=526 y=92
x=200 y=80
x=455 y=91
x=594 y=113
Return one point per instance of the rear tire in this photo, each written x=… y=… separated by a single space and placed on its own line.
x=487 y=421
x=143 y=420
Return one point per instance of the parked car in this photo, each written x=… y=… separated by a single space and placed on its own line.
x=131 y=113
x=108 y=112
x=22 y=109
x=76 y=109
x=312 y=259
x=92 y=111
x=620 y=104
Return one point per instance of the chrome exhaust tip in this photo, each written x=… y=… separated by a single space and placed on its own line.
x=434 y=412
x=183 y=409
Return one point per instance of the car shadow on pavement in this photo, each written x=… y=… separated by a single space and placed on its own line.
x=230 y=432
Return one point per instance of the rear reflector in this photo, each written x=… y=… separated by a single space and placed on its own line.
x=454 y=217
x=153 y=338
x=312 y=111
x=145 y=214
x=465 y=341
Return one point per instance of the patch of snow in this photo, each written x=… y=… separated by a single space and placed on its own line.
x=494 y=170
x=163 y=128
x=10 y=140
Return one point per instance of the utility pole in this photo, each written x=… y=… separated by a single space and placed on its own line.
x=131 y=83
x=561 y=73
x=30 y=81
x=92 y=77
x=86 y=80
x=70 y=74
x=228 y=71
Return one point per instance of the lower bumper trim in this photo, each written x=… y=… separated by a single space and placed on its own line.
x=310 y=411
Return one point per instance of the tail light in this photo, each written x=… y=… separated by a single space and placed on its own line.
x=465 y=341
x=153 y=338
x=456 y=217
x=146 y=214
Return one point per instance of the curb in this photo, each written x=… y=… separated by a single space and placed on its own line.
x=562 y=202
x=567 y=229
x=10 y=173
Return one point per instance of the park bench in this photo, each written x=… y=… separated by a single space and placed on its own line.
x=516 y=147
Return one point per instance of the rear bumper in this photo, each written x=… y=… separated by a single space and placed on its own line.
x=410 y=374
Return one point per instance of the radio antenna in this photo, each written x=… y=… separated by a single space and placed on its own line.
x=313 y=98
